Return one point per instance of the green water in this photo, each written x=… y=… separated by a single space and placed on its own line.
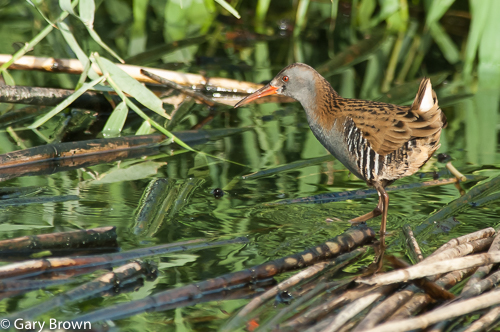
x=278 y=135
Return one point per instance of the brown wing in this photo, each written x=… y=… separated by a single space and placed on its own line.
x=387 y=127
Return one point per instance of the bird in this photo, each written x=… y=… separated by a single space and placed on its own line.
x=378 y=142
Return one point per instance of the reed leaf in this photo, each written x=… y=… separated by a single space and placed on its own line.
x=87 y=10
x=134 y=88
x=446 y=45
x=138 y=36
x=75 y=47
x=66 y=5
x=479 y=11
x=301 y=17
x=229 y=8
x=115 y=122
x=66 y=103
x=437 y=10
x=260 y=14
x=488 y=95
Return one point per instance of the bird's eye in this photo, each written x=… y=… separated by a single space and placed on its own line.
x=285 y=78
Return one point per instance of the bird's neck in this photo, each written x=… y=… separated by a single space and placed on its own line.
x=322 y=102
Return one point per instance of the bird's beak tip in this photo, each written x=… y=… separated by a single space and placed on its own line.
x=262 y=92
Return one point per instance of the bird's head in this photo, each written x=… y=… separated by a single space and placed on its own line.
x=297 y=81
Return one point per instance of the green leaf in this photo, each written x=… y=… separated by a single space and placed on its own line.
x=6 y=227
x=365 y=12
x=136 y=109
x=130 y=85
x=489 y=48
x=488 y=92
x=393 y=11
x=83 y=76
x=181 y=112
x=144 y=129
x=134 y=172
x=372 y=78
x=138 y=36
x=99 y=41
x=479 y=12
x=65 y=103
x=9 y=80
x=115 y=122
x=200 y=168
x=119 y=11
x=75 y=47
x=260 y=14
x=67 y=6
x=87 y=10
x=228 y=7
x=41 y=13
x=300 y=19
x=437 y=10
x=446 y=45
x=184 y=19
x=388 y=7
x=347 y=89
x=398 y=21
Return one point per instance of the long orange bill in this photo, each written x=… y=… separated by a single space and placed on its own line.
x=262 y=92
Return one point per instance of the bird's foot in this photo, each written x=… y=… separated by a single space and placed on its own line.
x=460 y=177
x=445 y=158
x=333 y=219
x=376 y=212
x=378 y=261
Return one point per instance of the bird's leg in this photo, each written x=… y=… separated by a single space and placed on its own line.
x=375 y=213
x=444 y=158
x=381 y=209
x=384 y=199
x=460 y=177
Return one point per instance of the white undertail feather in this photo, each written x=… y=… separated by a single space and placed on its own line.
x=429 y=119
x=427 y=100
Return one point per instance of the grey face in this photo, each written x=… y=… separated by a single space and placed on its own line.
x=297 y=81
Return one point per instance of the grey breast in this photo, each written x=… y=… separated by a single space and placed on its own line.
x=334 y=142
